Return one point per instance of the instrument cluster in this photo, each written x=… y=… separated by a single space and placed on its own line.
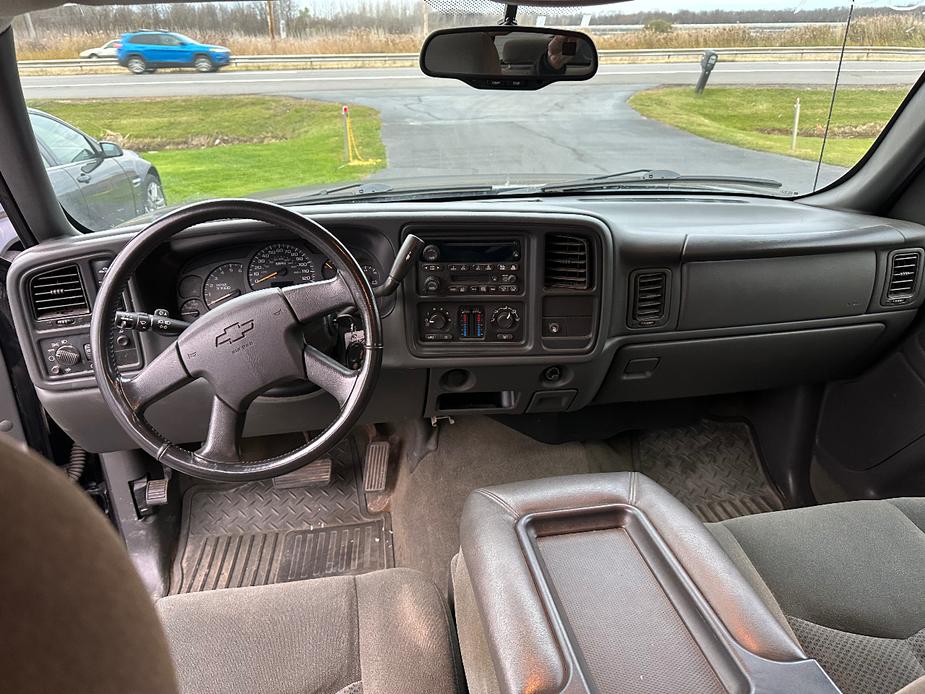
x=209 y=281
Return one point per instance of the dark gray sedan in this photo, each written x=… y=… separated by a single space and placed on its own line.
x=99 y=184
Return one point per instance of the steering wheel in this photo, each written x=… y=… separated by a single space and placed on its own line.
x=241 y=348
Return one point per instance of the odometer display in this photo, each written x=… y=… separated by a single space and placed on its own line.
x=280 y=265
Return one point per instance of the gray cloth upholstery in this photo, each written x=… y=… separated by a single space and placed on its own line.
x=74 y=614
x=387 y=631
x=849 y=579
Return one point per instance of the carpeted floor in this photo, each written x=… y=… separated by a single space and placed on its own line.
x=476 y=452
x=712 y=467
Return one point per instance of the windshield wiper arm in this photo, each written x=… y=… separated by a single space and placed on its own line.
x=655 y=176
x=383 y=191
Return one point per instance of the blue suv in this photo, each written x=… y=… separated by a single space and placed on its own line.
x=145 y=51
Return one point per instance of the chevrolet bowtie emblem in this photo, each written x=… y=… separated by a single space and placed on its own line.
x=234 y=332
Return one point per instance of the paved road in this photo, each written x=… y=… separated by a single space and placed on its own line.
x=272 y=81
x=435 y=126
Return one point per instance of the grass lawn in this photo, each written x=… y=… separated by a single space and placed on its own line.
x=231 y=146
x=762 y=117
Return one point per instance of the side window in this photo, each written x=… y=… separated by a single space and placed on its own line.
x=169 y=40
x=144 y=39
x=67 y=145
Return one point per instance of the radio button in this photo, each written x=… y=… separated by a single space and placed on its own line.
x=432 y=284
x=430 y=252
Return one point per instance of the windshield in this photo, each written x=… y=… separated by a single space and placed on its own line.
x=293 y=101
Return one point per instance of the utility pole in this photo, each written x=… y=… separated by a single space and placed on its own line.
x=425 y=19
x=271 y=20
x=30 y=27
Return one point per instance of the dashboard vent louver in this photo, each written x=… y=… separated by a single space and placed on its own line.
x=568 y=262
x=903 y=277
x=649 y=291
x=58 y=293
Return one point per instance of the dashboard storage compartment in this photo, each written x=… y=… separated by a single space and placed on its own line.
x=776 y=290
x=686 y=368
x=606 y=583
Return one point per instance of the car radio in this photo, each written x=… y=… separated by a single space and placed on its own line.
x=449 y=268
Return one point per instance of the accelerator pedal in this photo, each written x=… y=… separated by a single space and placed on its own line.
x=376 y=467
x=317 y=474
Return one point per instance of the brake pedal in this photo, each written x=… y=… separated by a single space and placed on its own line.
x=317 y=474
x=156 y=492
x=376 y=467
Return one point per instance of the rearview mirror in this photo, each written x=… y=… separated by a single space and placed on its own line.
x=509 y=57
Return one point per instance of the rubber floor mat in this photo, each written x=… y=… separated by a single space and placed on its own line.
x=254 y=534
x=711 y=467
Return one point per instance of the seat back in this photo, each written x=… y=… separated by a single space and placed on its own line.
x=74 y=614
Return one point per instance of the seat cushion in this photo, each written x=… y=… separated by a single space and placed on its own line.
x=848 y=579
x=387 y=631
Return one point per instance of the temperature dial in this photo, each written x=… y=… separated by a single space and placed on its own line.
x=437 y=320
x=505 y=318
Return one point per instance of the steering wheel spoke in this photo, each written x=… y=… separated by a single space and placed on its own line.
x=165 y=374
x=318 y=298
x=226 y=426
x=329 y=375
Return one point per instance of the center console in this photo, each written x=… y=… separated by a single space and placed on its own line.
x=606 y=583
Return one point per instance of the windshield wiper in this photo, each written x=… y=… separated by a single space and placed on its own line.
x=644 y=177
x=382 y=192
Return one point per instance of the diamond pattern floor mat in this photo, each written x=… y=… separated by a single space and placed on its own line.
x=711 y=467
x=254 y=534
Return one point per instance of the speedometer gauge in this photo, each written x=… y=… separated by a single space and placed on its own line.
x=280 y=265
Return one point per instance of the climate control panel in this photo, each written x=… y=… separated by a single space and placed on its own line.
x=477 y=322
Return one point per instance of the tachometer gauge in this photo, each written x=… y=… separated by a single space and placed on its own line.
x=191 y=310
x=223 y=283
x=280 y=265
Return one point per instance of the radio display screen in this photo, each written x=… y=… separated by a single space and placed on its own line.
x=478 y=251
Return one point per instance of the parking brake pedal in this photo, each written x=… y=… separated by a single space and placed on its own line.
x=317 y=474
x=151 y=493
x=376 y=467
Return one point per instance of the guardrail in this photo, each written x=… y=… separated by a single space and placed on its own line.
x=389 y=58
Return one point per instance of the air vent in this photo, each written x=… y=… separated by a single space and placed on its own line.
x=649 y=298
x=568 y=262
x=58 y=293
x=903 y=277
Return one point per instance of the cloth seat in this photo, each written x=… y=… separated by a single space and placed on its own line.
x=848 y=580
x=387 y=631
x=77 y=618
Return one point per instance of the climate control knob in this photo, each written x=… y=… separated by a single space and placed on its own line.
x=67 y=355
x=437 y=320
x=431 y=284
x=505 y=318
